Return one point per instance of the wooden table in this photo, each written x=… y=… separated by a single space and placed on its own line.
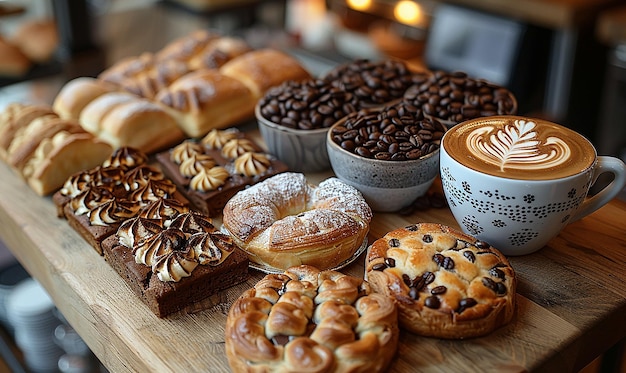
x=571 y=301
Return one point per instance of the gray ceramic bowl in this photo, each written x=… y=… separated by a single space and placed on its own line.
x=301 y=150
x=387 y=186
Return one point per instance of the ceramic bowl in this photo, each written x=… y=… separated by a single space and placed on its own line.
x=301 y=150
x=388 y=186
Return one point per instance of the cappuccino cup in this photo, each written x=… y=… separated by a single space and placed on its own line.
x=516 y=182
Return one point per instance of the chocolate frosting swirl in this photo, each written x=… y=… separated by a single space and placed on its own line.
x=126 y=158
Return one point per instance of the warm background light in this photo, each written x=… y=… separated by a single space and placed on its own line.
x=359 y=4
x=407 y=12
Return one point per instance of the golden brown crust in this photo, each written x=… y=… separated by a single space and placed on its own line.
x=76 y=152
x=78 y=93
x=13 y=62
x=310 y=320
x=123 y=119
x=446 y=284
x=205 y=100
x=18 y=117
x=38 y=39
x=187 y=46
x=264 y=68
x=217 y=52
x=285 y=221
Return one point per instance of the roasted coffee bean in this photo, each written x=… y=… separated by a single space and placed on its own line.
x=391 y=262
x=482 y=245
x=428 y=277
x=373 y=83
x=406 y=279
x=395 y=129
x=438 y=258
x=428 y=239
x=448 y=263
x=379 y=266
x=310 y=104
x=437 y=290
x=418 y=283
x=469 y=255
x=491 y=284
x=496 y=272
x=453 y=98
x=467 y=302
x=432 y=302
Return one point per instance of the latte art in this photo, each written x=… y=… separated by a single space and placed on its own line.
x=517 y=146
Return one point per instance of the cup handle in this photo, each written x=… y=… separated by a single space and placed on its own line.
x=604 y=164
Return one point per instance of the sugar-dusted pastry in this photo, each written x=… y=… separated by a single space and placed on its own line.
x=306 y=320
x=285 y=221
x=447 y=284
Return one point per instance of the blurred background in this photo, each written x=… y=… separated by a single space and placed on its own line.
x=565 y=60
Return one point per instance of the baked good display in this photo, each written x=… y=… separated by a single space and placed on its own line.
x=206 y=99
x=209 y=171
x=96 y=201
x=286 y=221
x=446 y=284
x=307 y=320
x=174 y=262
x=125 y=120
x=264 y=68
x=78 y=93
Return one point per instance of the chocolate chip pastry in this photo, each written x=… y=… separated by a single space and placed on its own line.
x=306 y=320
x=446 y=284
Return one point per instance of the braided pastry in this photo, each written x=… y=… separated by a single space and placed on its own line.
x=307 y=320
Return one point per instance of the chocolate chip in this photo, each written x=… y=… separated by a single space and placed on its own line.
x=379 y=266
x=432 y=302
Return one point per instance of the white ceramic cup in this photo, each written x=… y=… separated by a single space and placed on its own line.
x=516 y=182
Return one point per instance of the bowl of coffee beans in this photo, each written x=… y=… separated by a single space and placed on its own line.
x=390 y=154
x=454 y=97
x=294 y=119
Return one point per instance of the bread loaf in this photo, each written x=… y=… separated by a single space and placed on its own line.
x=123 y=119
x=18 y=116
x=38 y=39
x=264 y=68
x=205 y=100
x=13 y=62
x=61 y=156
x=77 y=93
x=217 y=52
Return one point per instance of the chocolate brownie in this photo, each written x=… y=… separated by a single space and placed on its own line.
x=175 y=268
x=211 y=170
